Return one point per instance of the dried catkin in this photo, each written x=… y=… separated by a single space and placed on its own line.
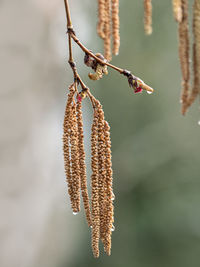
x=70 y=148
x=81 y=152
x=184 y=54
x=196 y=52
x=101 y=166
x=66 y=141
x=75 y=160
x=107 y=31
x=101 y=18
x=108 y=207
x=177 y=10
x=95 y=187
x=115 y=27
x=148 y=17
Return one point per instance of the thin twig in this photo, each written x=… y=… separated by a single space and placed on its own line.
x=72 y=35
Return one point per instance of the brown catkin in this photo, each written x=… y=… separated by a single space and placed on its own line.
x=101 y=18
x=75 y=160
x=95 y=187
x=66 y=141
x=109 y=209
x=83 y=177
x=148 y=17
x=177 y=10
x=107 y=31
x=184 y=54
x=101 y=167
x=196 y=53
x=115 y=27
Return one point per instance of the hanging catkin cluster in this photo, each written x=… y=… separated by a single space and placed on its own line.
x=180 y=10
x=181 y=15
x=100 y=216
x=108 y=26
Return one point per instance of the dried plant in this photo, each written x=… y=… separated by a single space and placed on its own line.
x=99 y=210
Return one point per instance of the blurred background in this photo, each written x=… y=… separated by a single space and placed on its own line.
x=155 y=150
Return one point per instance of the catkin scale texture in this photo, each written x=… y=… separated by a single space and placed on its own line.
x=81 y=152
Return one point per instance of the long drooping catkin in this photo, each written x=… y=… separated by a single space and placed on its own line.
x=83 y=178
x=101 y=166
x=109 y=210
x=70 y=148
x=177 y=10
x=101 y=18
x=196 y=53
x=75 y=160
x=184 y=54
x=95 y=187
x=115 y=27
x=147 y=16
x=107 y=31
x=66 y=148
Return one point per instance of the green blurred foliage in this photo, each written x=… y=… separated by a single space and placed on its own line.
x=155 y=150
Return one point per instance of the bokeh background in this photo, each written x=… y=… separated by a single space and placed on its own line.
x=155 y=150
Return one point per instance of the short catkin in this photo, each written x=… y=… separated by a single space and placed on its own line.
x=148 y=17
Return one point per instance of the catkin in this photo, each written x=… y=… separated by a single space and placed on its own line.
x=196 y=53
x=66 y=148
x=108 y=207
x=70 y=148
x=115 y=27
x=101 y=166
x=107 y=31
x=101 y=18
x=75 y=160
x=184 y=54
x=83 y=177
x=148 y=17
x=177 y=10
x=95 y=187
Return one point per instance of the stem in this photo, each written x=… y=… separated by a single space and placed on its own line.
x=69 y=22
x=76 y=40
x=71 y=35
